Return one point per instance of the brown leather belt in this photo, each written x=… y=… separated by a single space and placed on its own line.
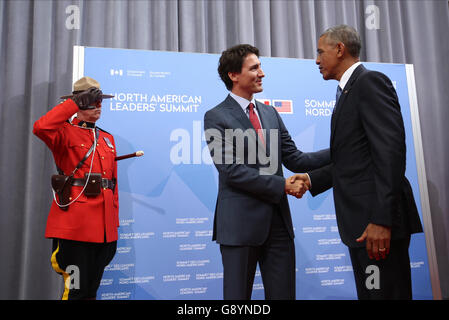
x=105 y=183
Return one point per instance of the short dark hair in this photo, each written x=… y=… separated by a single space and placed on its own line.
x=231 y=60
x=346 y=34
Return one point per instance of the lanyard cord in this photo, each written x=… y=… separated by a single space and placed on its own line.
x=87 y=180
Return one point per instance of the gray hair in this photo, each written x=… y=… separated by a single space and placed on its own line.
x=346 y=34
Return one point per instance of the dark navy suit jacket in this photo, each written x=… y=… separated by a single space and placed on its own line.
x=249 y=192
x=368 y=155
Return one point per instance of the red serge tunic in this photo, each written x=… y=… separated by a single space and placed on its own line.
x=90 y=219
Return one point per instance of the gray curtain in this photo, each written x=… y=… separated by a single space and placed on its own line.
x=36 y=44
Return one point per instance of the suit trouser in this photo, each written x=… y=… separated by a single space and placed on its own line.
x=388 y=278
x=81 y=265
x=276 y=259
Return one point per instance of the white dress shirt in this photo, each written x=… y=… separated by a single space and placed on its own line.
x=245 y=103
x=347 y=74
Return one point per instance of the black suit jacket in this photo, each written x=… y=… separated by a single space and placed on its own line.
x=368 y=160
x=248 y=196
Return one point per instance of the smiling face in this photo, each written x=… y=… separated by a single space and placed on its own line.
x=249 y=80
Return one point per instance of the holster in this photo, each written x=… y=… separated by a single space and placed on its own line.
x=93 y=187
x=63 y=186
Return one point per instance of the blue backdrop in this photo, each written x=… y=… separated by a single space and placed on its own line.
x=167 y=198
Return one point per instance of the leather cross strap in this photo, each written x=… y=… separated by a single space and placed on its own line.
x=88 y=152
x=85 y=156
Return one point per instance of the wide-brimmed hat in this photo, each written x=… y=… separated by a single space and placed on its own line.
x=83 y=84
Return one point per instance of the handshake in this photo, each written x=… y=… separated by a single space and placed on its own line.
x=297 y=185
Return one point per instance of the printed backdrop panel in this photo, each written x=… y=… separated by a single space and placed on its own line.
x=167 y=197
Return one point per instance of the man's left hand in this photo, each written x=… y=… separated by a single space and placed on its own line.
x=377 y=240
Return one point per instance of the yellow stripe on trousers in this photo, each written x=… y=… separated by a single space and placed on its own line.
x=64 y=274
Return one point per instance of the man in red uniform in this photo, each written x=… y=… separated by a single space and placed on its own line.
x=84 y=227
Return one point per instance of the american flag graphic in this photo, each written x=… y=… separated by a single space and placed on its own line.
x=283 y=106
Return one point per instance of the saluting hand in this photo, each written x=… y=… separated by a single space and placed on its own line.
x=86 y=99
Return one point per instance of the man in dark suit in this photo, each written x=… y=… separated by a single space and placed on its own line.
x=375 y=209
x=252 y=220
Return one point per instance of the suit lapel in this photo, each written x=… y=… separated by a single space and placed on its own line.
x=341 y=102
x=264 y=116
x=236 y=111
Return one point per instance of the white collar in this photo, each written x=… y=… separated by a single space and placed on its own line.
x=242 y=101
x=347 y=74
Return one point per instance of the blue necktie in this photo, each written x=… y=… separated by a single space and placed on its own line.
x=338 y=94
x=337 y=97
